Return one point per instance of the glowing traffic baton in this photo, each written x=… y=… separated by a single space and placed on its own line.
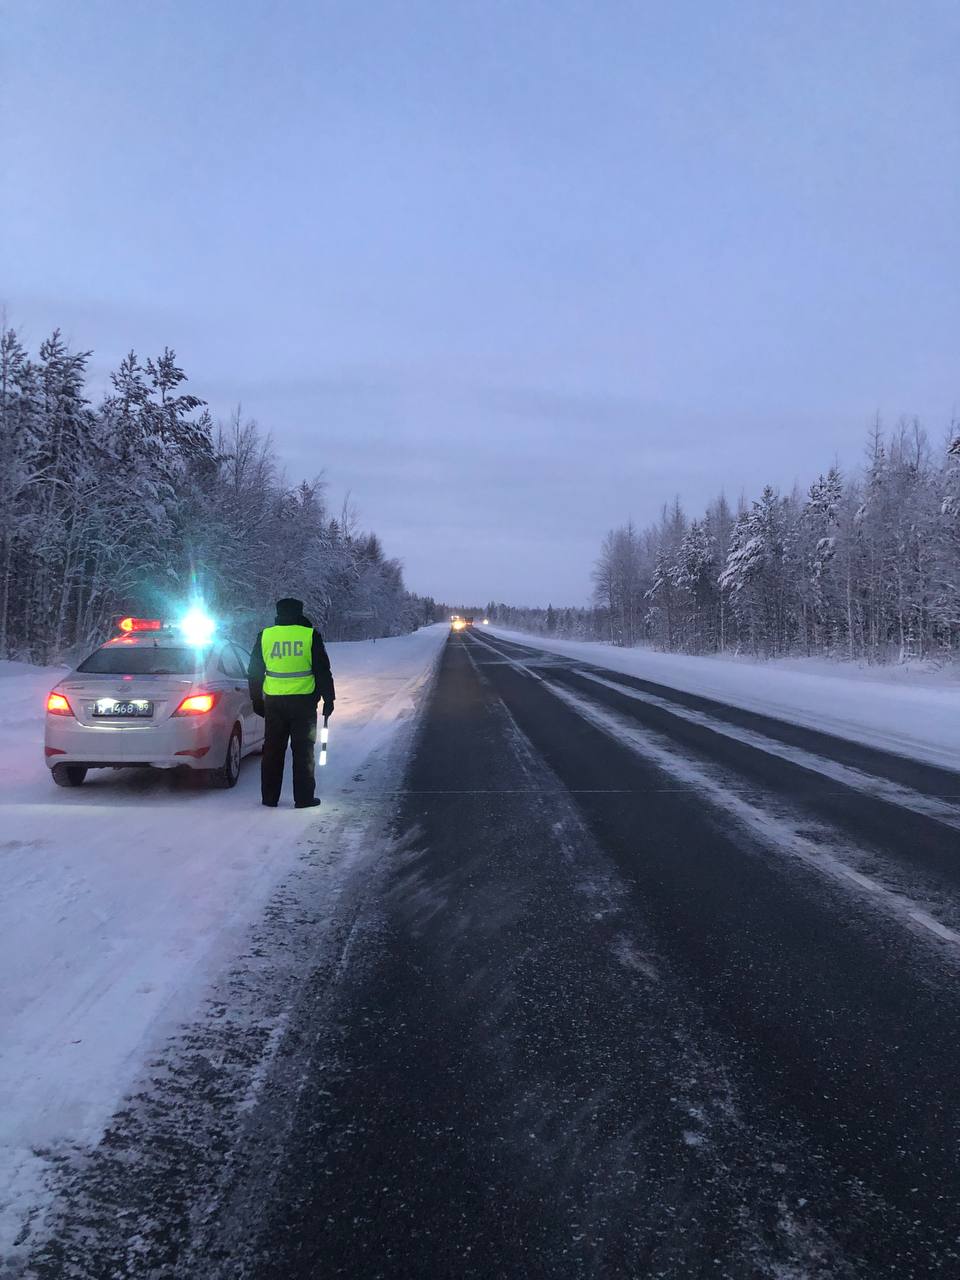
x=324 y=739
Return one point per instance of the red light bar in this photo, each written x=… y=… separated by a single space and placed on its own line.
x=196 y=704
x=140 y=624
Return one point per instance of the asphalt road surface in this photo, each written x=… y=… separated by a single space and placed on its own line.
x=652 y=987
x=645 y=986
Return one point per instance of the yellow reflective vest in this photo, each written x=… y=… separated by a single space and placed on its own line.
x=288 y=659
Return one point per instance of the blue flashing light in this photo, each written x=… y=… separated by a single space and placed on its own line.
x=197 y=626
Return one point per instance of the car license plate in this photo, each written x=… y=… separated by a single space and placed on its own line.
x=113 y=709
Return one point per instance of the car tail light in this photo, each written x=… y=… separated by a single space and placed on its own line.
x=197 y=704
x=53 y=751
x=140 y=624
x=57 y=705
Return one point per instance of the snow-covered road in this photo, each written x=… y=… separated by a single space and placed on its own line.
x=663 y=975
x=122 y=900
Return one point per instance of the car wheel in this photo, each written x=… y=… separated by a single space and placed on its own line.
x=228 y=773
x=69 y=775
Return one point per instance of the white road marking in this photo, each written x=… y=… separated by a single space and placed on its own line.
x=934 y=926
x=863 y=881
x=504 y=657
x=643 y=741
x=879 y=788
x=774 y=832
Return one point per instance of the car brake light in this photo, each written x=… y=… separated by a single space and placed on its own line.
x=57 y=705
x=140 y=624
x=197 y=704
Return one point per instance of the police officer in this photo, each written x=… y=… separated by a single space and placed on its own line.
x=289 y=675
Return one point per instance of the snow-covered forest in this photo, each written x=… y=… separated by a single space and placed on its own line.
x=141 y=502
x=862 y=565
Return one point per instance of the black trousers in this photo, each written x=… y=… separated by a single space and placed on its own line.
x=289 y=717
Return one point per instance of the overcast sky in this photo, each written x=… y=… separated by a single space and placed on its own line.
x=510 y=273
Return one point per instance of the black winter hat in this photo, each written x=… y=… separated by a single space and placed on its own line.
x=289 y=609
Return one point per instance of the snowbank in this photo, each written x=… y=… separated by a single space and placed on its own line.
x=909 y=711
x=121 y=899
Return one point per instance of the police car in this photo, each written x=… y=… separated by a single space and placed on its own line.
x=157 y=695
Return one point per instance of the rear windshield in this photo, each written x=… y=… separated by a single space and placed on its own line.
x=141 y=660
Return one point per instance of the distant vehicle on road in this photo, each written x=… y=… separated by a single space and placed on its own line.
x=151 y=697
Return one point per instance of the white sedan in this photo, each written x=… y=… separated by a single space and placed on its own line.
x=148 y=697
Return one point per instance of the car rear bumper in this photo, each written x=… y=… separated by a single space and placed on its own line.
x=189 y=743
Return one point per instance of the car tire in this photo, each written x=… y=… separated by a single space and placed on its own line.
x=69 y=775
x=229 y=772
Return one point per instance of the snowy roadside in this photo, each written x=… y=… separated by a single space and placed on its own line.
x=122 y=901
x=910 y=712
